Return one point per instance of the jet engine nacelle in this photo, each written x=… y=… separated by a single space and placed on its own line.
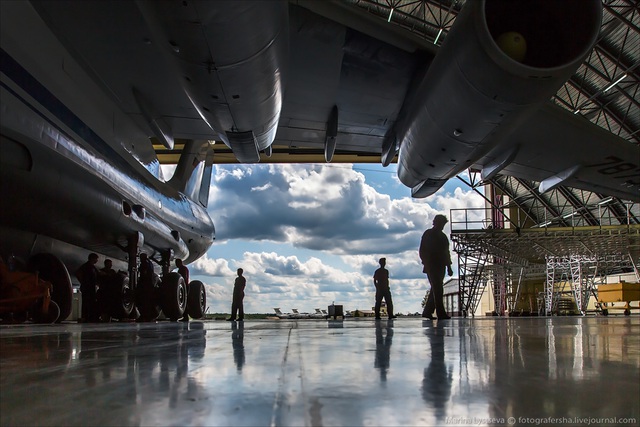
x=475 y=91
x=231 y=58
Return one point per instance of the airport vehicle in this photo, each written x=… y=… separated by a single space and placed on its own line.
x=91 y=91
x=25 y=296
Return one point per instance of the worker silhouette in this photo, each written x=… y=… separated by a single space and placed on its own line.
x=435 y=256
x=183 y=270
x=108 y=270
x=384 y=339
x=381 y=281
x=437 y=379
x=237 y=307
x=106 y=294
x=146 y=269
x=87 y=274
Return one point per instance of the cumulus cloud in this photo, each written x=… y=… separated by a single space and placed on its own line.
x=211 y=267
x=331 y=210
x=320 y=208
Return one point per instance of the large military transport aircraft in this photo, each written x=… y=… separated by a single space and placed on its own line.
x=89 y=88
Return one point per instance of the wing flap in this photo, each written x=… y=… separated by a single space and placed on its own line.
x=553 y=140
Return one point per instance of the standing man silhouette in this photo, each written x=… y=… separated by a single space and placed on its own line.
x=183 y=271
x=381 y=281
x=238 y=295
x=88 y=276
x=435 y=256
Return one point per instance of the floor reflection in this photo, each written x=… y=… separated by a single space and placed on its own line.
x=307 y=373
x=384 y=339
x=237 y=338
x=437 y=376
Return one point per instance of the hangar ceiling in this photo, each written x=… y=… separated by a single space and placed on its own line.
x=604 y=90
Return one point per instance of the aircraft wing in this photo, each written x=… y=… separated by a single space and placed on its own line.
x=555 y=147
x=313 y=81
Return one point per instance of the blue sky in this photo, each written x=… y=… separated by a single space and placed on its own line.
x=309 y=235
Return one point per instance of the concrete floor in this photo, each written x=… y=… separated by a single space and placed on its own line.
x=356 y=372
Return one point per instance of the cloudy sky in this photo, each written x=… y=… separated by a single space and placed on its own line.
x=309 y=235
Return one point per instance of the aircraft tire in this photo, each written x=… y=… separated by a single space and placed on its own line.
x=52 y=315
x=196 y=300
x=51 y=269
x=174 y=296
x=122 y=300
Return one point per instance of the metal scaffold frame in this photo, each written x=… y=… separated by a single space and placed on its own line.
x=577 y=271
x=471 y=264
x=578 y=257
x=583 y=273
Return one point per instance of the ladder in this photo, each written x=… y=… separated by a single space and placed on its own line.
x=471 y=264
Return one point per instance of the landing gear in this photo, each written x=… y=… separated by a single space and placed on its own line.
x=152 y=295
x=116 y=297
x=174 y=296
x=196 y=300
x=51 y=269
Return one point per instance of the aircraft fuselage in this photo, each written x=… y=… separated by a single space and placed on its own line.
x=66 y=190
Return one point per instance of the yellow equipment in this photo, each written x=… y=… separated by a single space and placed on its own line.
x=618 y=293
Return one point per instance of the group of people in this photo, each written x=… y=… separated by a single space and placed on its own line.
x=434 y=254
x=93 y=282
x=436 y=259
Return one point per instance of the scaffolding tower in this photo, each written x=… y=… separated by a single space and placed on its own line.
x=472 y=260
x=582 y=274
x=569 y=262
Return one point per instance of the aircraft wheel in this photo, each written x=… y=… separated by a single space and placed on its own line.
x=627 y=312
x=605 y=312
x=122 y=300
x=174 y=296
x=50 y=317
x=196 y=300
x=51 y=269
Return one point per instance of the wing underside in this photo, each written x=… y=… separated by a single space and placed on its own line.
x=339 y=83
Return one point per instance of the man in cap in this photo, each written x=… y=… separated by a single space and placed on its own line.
x=435 y=256
x=381 y=281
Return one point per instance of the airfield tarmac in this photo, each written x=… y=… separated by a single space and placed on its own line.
x=356 y=372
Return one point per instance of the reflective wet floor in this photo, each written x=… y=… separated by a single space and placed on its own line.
x=356 y=372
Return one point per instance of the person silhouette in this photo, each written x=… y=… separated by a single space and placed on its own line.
x=183 y=271
x=381 y=282
x=435 y=257
x=237 y=306
x=108 y=270
x=145 y=271
x=87 y=274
